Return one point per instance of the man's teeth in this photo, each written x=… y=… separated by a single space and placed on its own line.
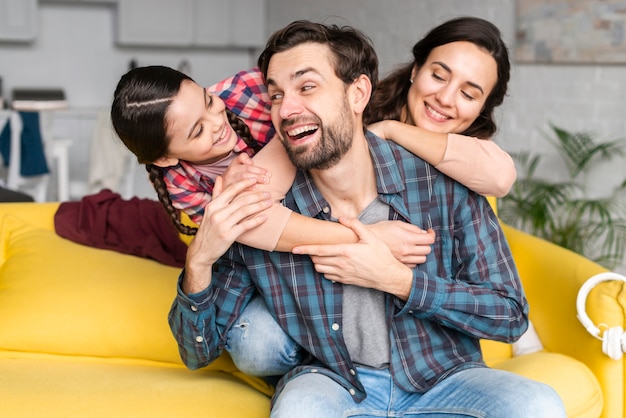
x=301 y=130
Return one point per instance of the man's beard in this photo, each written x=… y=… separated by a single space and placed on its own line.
x=335 y=141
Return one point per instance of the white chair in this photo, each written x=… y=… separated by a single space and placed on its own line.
x=54 y=150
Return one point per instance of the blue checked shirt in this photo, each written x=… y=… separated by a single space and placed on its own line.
x=468 y=288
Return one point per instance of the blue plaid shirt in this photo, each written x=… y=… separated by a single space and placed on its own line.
x=468 y=289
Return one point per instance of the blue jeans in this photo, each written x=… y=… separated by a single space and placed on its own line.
x=259 y=346
x=478 y=393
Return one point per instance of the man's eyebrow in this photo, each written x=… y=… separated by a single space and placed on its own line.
x=448 y=69
x=295 y=75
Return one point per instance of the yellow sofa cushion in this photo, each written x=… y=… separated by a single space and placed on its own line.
x=63 y=298
x=52 y=386
x=114 y=305
x=572 y=379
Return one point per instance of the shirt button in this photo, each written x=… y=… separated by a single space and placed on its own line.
x=199 y=339
x=352 y=392
x=194 y=308
x=335 y=327
x=326 y=209
x=352 y=372
x=410 y=312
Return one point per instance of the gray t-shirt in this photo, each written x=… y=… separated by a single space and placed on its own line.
x=365 y=325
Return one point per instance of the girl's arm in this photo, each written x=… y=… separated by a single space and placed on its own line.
x=285 y=229
x=479 y=164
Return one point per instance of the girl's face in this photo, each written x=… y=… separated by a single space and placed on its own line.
x=197 y=127
x=450 y=89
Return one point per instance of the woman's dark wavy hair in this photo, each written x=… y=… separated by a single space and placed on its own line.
x=138 y=114
x=391 y=95
x=352 y=50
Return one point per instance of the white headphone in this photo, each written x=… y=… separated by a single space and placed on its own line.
x=613 y=339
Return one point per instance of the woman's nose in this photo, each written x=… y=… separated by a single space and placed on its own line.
x=445 y=95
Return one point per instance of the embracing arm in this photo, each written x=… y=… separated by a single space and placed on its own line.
x=481 y=293
x=477 y=292
x=479 y=164
x=203 y=309
x=285 y=229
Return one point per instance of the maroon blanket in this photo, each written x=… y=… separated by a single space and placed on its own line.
x=139 y=227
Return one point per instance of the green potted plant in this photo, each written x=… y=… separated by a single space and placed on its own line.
x=563 y=211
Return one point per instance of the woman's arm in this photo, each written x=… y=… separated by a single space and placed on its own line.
x=479 y=164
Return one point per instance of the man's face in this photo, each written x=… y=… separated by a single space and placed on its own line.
x=310 y=107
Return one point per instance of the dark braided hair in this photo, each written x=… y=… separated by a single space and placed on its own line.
x=140 y=104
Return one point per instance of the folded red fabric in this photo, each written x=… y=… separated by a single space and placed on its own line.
x=137 y=226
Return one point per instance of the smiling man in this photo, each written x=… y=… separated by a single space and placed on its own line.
x=383 y=339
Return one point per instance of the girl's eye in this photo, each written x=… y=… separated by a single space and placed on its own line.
x=199 y=132
x=307 y=87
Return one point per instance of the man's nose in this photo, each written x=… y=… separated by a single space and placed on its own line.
x=290 y=106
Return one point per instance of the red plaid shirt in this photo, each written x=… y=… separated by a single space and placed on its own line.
x=246 y=96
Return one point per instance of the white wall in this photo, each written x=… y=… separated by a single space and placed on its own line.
x=75 y=49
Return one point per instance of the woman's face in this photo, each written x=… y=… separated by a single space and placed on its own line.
x=197 y=127
x=450 y=89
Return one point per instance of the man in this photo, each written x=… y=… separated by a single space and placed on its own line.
x=382 y=338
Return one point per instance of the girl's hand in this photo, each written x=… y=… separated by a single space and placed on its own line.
x=232 y=211
x=243 y=167
x=408 y=243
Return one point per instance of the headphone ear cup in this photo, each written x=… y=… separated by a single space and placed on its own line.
x=612 y=340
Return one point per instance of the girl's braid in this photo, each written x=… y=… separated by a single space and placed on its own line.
x=156 y=178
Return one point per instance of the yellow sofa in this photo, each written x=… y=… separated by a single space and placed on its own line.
x=84 y=332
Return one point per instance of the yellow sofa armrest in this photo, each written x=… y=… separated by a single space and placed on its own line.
x=552 y=277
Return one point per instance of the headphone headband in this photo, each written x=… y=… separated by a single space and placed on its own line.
x=612 y=343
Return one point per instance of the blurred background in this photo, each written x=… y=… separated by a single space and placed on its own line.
x=563 y=74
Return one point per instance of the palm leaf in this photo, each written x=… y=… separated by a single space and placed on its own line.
x=579 y=149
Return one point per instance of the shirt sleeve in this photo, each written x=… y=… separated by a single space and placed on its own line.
x=484 y=298
x=245 y=94
x=480 y=164
x=189 y=191
x=200 y=322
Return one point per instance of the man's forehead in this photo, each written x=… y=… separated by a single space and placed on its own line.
x=294 y=62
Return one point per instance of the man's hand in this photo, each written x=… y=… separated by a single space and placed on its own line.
x=230 y=213
x=368 y=263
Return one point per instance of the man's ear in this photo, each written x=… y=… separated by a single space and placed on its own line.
x=362 y=92
x=166 y=161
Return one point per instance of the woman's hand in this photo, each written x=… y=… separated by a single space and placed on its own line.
x=232 y=211
x=243 y=167
x=408 y=243
x=368 y=263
